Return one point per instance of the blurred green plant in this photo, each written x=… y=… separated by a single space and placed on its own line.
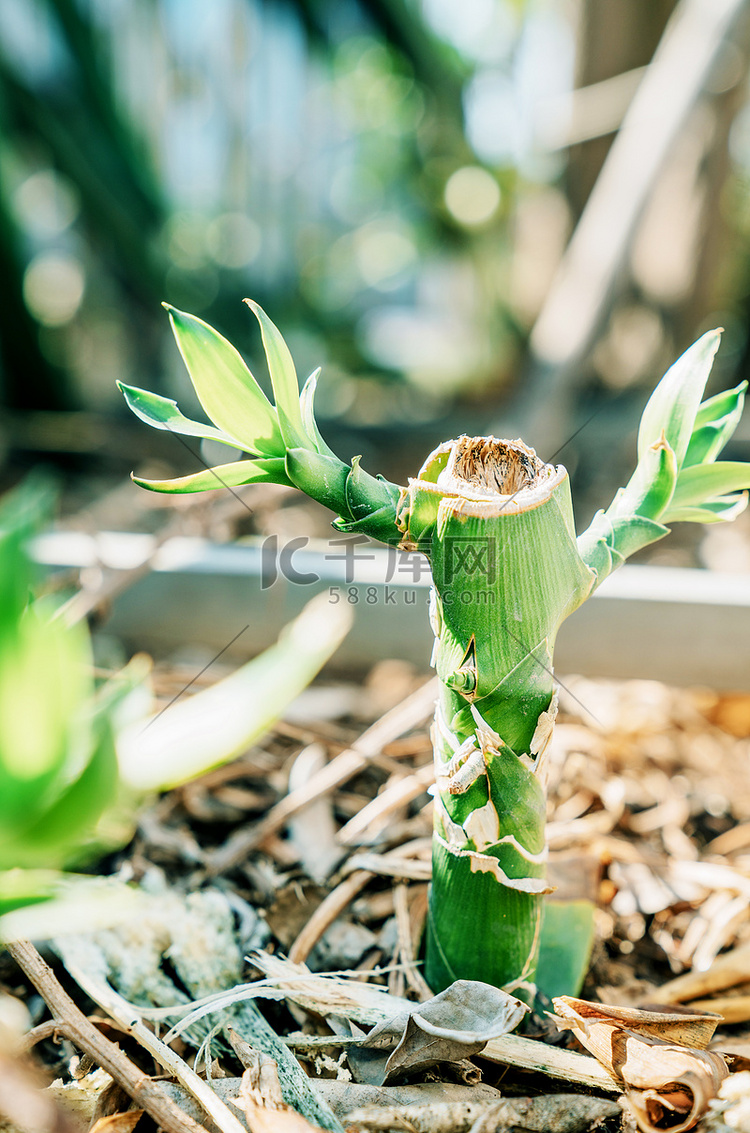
x=72 y=110
x=72 y=770
x=58 y=766
x=477 y=499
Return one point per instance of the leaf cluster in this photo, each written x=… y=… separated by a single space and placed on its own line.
x=283 y=438
x=678 y=477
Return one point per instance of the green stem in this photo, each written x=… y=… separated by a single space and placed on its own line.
x=497 y=524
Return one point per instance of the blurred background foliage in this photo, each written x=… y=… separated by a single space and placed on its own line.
x=395 y=181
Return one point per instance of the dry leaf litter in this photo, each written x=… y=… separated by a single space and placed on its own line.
x=316 y=845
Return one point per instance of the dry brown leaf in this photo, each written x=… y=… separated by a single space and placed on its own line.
x=118 y=1122
x=687 y=1028
x=660 y=1057
x=732 y=1008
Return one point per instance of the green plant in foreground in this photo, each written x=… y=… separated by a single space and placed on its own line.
x=496 y=523
x=72 y=771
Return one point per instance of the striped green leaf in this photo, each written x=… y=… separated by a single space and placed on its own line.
x=226 y=389
x=703 y=482
x=673 y=405
x=163 y=413
x=284 y=380
x=269 y=471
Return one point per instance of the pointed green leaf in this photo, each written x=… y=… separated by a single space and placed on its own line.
x=703 y=482
x=263 y=471
x=20 y=888
x=673 y=405
x=163 y=413
x=715 y=423
x=721 y=405
x=633 y=532
x=721 y=510
x=45 y=904
x=705 y=444
x=651 y=485
x=22 y=513
x=284 y=380
x=66 y=824
x=306 y=399
x=226 y=389
x=44 y=734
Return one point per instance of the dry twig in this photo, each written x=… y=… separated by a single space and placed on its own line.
x=552 y=1113
x=336 y=902
x=125 y=1015
x=147 y=1093
x=393 y=798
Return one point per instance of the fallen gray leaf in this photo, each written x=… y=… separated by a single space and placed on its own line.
x=451 y=1026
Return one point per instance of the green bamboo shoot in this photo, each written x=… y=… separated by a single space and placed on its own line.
x=487 y=513
x=496 y=524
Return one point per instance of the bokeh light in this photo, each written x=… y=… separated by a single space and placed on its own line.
x=472 y=195
x=53 y=286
